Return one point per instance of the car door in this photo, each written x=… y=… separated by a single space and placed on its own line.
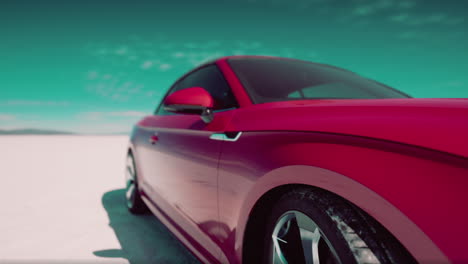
x=181 y=160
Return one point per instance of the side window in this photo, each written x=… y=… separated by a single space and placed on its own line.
x=211 y=79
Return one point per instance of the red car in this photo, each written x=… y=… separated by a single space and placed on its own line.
x=253 y=159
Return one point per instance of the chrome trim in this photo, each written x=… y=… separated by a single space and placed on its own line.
x=217 y=136
x=233 y=139
x=223 y=137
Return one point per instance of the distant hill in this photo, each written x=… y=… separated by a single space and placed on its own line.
x=32 y=131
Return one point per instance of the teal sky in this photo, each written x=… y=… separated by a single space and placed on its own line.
x=98 y=66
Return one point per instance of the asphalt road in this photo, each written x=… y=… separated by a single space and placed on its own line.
x=61 y=201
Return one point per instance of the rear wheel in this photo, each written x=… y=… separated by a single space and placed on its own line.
x=132 y=194
x=314 y=226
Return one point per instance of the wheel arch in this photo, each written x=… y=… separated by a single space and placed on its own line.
x=270 y=187
x=131 y=150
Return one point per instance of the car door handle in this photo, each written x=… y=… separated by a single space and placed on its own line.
x=153 y=139
x=228 y=136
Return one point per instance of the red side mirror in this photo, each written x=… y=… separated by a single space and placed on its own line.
x=194 y=100
x=194 y=96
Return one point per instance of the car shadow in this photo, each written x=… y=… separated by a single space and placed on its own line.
x=143 y=238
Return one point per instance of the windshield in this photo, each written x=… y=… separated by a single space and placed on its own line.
x=269 y=80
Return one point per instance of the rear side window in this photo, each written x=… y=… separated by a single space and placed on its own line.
x=269 y=80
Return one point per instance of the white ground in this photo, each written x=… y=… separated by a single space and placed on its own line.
x=61 y=201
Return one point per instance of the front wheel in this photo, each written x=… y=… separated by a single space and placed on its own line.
x=313 y=226
x=132 y=195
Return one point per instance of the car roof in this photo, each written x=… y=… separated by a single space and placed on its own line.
x=223 y=58
x=255 y=57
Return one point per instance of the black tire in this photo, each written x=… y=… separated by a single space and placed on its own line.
x=345 y=232
x=132 y=193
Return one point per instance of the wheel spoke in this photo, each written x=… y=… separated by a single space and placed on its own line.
x=310 y=241
x=130 y=174
x=287 y=241
x=130 y=181
x=278 y=257
x=296 y=238
x=279 y=243
x=130 y=192
x=130 y=171
x=310 y=238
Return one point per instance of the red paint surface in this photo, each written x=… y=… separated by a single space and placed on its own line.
x=440 y=124
x=403 y=161
x=410 y=191
x=190 y=96
x=179 y=175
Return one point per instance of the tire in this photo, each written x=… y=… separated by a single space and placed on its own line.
x=315 y=226
x=132 y=193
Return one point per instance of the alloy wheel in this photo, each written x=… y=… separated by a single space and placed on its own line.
x=298 y=239
x=130 y=177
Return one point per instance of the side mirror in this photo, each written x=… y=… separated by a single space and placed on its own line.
x=194 y=100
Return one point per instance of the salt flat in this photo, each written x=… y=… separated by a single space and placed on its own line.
x=61 y=201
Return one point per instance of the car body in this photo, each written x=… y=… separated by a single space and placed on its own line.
x=205 y=174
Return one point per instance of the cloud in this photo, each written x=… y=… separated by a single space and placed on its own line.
x=121 y=51
x=455 y=21
x=374 y=7
x=116 y=87
x=178 y=54
x=408 y=35
x=363 y=10
x=33 y=103
x=428 y=19
x=102 y=51
x=406 y=5
x=7 y=117
x=165 y=67
x=403 y=17
x=92 y=75
x=112 y=114
x=108 y=128
x=119 y=97
x=238 y=52
x=436 y=18
x=81 y=126
x=191 y=45
x=107 y=76
x=128 y=114
x=212 y=44
x=453 y=84
x=147 y=64
x=383 y=4
x=312 y=54
x=249 y=44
